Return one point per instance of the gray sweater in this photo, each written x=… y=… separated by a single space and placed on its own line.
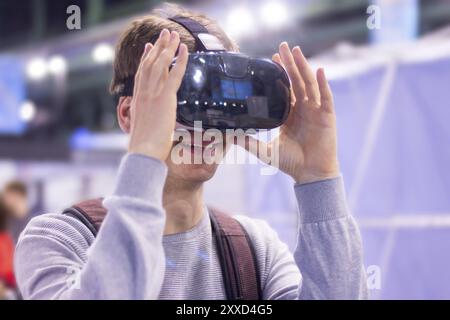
x=57 y=256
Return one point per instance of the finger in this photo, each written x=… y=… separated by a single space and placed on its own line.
x=177 y=73
x=326 y=96
x=276 y=58
x=168 y=53
x=159 y=46
x=160 y=43
x=148 y=47
x=293 y=72
x=312 y=88
x=160 y=69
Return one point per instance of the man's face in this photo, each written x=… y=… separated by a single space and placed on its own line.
x=186 y=160
x=195 y=156
x=16 y=203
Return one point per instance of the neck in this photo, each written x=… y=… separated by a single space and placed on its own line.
x=183 y=203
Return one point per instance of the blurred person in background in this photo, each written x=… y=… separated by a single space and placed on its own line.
x=7 y=280
x=15 y=198
x=13 y=206
x=156 y=240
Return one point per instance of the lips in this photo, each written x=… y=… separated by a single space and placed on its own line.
x=206 y=141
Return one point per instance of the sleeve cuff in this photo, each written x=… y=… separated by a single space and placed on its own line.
x=321 y=200
x=141 y=177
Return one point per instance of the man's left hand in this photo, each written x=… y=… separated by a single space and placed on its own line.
x=307 y=141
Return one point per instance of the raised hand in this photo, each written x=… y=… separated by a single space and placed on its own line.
x=154 y=102
x=307 y=142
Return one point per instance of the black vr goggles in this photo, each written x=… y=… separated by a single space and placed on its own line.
x=227 y=90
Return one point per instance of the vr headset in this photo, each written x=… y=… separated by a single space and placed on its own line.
x=227 y=90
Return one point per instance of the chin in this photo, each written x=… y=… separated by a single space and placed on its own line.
x=192 y=172
x=195 y=162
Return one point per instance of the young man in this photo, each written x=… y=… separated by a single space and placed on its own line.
x=156 y=241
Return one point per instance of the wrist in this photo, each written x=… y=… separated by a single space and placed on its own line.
x=310 y=177
x=141 y=177
x=148 y=149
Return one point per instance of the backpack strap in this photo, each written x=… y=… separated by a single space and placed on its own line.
x=237 y=258
x=90 y=212
x=235 y=249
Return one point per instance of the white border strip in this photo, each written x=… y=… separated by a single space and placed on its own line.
x=411 y=221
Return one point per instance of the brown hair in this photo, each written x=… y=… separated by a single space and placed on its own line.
x=142 y=30
x=17 y=187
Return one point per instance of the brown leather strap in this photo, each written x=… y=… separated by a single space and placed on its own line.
x=90 y=212
x=235 y=249
x=237 y=258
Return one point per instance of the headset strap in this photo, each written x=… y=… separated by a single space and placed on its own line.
x=204 y=41
x=194 y=29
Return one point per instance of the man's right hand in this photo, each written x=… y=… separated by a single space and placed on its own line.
x=154 y=102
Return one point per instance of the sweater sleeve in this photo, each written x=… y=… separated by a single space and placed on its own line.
x=327 y=262
x=57 y=258
x=329 y=251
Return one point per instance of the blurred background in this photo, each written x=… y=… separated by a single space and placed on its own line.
x=389 y=66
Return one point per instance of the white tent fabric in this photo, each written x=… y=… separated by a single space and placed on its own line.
x=393 y=114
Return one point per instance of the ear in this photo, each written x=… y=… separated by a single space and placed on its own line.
x=124 y=114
